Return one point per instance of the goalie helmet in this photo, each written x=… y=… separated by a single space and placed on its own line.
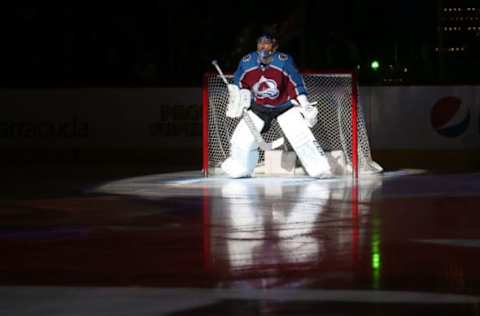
x=266 y=45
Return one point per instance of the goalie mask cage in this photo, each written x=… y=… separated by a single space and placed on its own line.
x=340 y=128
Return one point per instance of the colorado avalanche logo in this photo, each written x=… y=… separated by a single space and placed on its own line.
x=266 y=88
x=246 y=58
x=282 y=57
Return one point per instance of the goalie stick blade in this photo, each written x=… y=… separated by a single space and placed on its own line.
x=278 y=142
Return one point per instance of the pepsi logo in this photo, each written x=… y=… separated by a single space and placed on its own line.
x=450 y=117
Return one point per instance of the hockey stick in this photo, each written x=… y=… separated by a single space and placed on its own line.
x=250 y=124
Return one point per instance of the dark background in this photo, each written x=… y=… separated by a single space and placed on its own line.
x=161 y=43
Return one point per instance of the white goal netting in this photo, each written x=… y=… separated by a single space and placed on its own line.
x=334 y=93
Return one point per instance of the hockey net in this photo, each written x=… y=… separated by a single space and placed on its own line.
x=340 y=128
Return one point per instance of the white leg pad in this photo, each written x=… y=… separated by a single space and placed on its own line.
x=241 y=163
x=243 y=150
x=303 y=142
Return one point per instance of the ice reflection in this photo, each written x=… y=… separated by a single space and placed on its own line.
x=262 y=225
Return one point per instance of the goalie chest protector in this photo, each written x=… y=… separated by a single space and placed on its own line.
x=273 y=84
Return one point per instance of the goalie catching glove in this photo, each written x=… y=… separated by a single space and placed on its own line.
x=307 y=109
x=238 y=99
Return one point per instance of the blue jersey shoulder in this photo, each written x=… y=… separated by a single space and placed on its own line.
x=249 y=60
x=281 y=59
